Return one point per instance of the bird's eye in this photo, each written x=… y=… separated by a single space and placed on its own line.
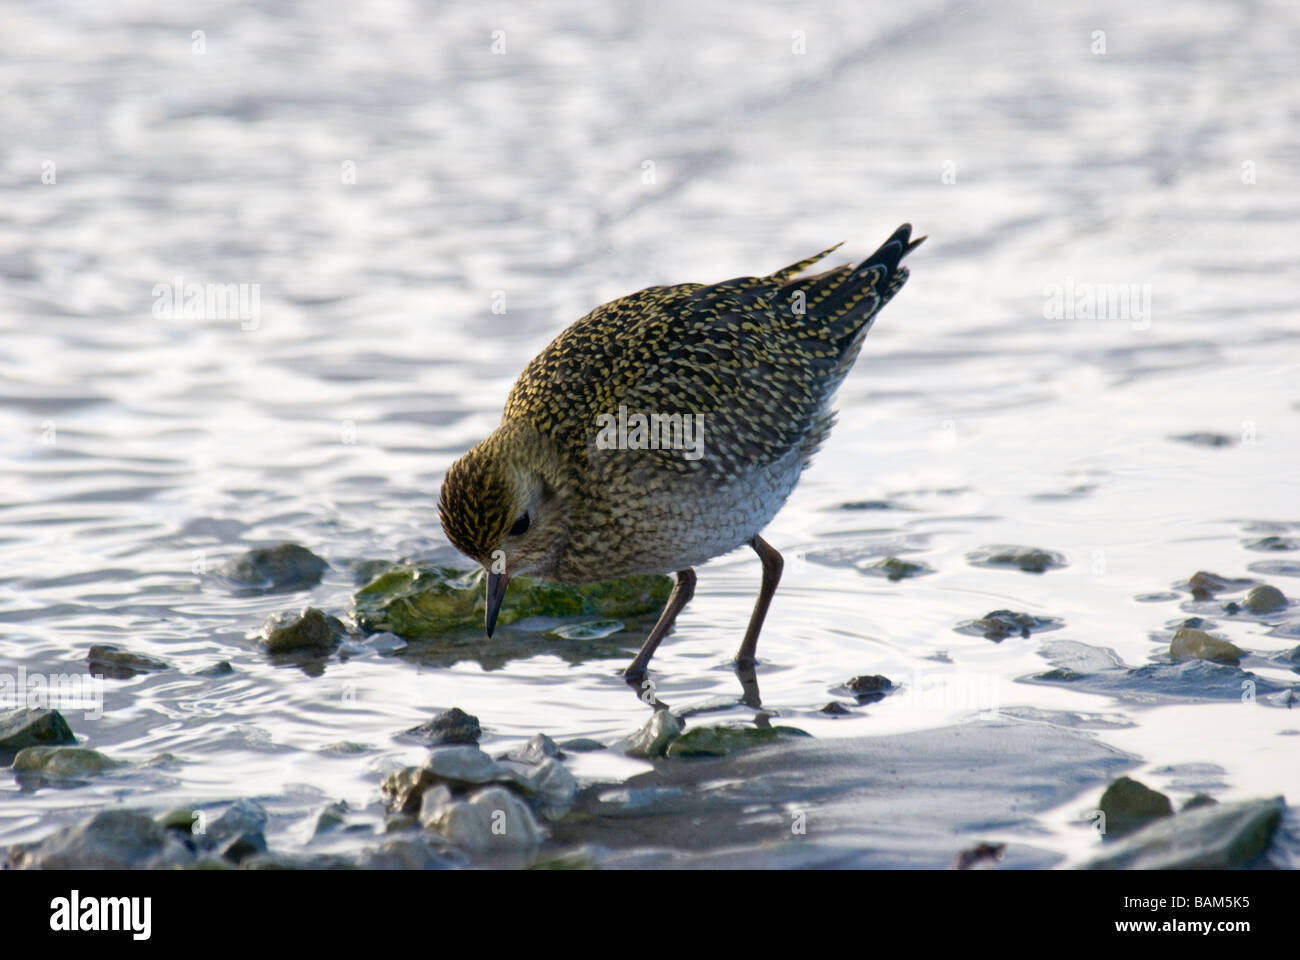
x=520 y=527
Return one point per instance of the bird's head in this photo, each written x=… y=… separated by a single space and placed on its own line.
x=503 y=505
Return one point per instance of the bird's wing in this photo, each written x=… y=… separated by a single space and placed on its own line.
x=752 y=361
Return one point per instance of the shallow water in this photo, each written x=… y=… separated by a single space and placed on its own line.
x=602 y=152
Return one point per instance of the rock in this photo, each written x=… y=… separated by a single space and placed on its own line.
x=588 y=630
x=1192 y=644
x=237 y=833
x=32 y=727
x=979 y=855
x=585 y=744
x=1205 y=439
x=1264 y=599
x=655 y=735
x=1128 y=805
x=493 y=819
x=221 y=668
x=403 y=821
x=297 y=861
x=414 y=854
x=868 y=505
x=1221 y=836
x=869 y=688
x=64 y=763
x=117 y=664
x=1027 y=559
x=182 y=820
x=334 y=815
x=1000 y=624
x=1205 y=585
x=422 y=602
x=535 y=750
x=894 y=568
x=465 y=766
x=870 y=683
x=282 y=568
x=108 y=840
x=402 y=791
x=310 y=629
x=434 y=799
x=345 y=748
x=835 y=709
x=1199 y=800
x=721 y=741
x=450 y=726
x=1274 y=543
x=550 y=782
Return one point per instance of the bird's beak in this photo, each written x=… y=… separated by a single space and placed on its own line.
x=496 y=592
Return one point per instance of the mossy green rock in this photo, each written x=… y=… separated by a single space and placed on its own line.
x=721 y=741
x=1129 y=805
x=419 y=602
x=1222 y=836
x=64 y=762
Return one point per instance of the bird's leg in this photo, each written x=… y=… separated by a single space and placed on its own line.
x=748 y=676
x=772 y=564
x=683 y=590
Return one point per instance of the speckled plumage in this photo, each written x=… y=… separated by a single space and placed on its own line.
x=759 y=357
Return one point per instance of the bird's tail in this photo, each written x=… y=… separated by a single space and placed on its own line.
x=848 y=297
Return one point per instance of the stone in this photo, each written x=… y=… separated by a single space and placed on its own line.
x=311 y=629
x=108 y=840
x=281 y=568
x=535 y=750
x=1264 y=599
x=1129 y=805
x=1222 y=836
x=1026 y=559
x=112 y=661
x=423 y=602
x=33 y=727
x=450 y=726
x=720 y=741
x=64 y=763
x=1192 y=644
x=655 y=735
x=492 y=819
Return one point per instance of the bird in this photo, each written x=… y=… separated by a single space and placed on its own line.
x=666 y=428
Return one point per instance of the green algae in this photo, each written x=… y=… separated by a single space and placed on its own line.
x=421 y=602
x=721 y=741
x=64 y=762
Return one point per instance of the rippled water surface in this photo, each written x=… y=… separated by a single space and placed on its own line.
x=607 y=150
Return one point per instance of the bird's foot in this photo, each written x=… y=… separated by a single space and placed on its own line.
x=644 y=687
